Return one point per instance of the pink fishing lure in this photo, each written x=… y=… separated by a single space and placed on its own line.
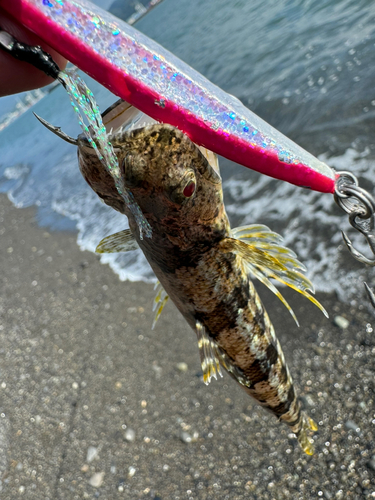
x=155 y=81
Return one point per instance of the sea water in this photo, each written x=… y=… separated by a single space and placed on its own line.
x=306 y=67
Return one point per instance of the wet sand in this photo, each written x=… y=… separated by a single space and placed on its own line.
x=93 y=404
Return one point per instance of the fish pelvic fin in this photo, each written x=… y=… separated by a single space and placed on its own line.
x=265 y=257
x=159 y=302
x=209 y=354
x=122 y=241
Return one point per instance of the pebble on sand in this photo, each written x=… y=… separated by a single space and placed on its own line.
x=96 y=480
x=92 y=453
x=129 y=435
x=131 y=471
x=188 y=438
x=341 y=322
x=182 y=367
x=352 y=426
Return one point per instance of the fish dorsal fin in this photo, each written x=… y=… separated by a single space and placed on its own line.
x=123 y=241
x=123 y=116
x=211 y=157
x=265 y=258
x=159 y=302
x=208 y=354
x=118 y=114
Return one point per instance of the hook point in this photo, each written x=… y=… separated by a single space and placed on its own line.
x=370 y=294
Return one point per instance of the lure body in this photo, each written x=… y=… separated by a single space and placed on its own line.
x=155 y=81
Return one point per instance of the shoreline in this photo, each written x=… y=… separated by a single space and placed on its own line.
x=94 y=404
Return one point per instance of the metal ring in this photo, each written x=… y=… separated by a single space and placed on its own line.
x=359 y=204
x=341 y=181
x=363 y=204
x=347 y=173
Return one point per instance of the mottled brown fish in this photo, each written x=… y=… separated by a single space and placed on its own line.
x=203 y=265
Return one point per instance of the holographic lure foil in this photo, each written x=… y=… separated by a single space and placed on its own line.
x=82 y=100
x=153 y=80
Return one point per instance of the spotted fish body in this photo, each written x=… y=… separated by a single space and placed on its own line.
x=203 y=265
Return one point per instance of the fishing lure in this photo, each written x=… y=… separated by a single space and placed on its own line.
x=155 y=81
x=242 y=256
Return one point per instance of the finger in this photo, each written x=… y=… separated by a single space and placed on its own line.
x=17 y=76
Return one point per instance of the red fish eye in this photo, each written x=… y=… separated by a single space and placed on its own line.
x=189 y=189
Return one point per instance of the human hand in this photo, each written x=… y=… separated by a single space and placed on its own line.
x=18 y=76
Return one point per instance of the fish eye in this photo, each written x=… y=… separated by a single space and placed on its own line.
x=184 y=190
x=133 y=169
x=189 y=189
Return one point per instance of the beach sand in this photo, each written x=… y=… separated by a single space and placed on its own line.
x=93 y=404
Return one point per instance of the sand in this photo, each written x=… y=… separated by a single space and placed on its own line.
x=93 y=404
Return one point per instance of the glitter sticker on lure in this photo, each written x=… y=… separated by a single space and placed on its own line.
x=82 y=99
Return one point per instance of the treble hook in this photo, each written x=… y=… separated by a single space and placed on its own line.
x=360 y=205
x=366 y=227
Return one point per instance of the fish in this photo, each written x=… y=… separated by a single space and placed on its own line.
x=202 y=265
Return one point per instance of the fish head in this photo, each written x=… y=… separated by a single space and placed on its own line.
x=175 y=186
x=173 y=183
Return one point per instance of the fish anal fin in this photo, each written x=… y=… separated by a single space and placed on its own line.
x=213 y=358
x=122 y=241
x=211 y=157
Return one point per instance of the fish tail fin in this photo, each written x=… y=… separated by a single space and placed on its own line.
x=307 y=426
x=301 y=425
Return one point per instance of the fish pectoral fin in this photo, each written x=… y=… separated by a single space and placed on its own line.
x=266 y=258
x=159 y=302
x=122 y=241
x=208 y=351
